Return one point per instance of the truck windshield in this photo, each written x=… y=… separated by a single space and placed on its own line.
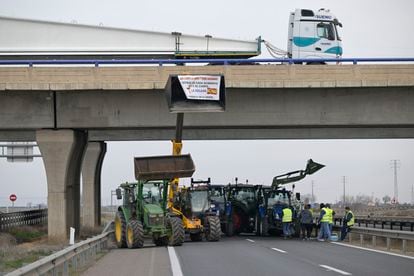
x=326 y=30
x=151 y=192
x=278 y=198
x=199 y=201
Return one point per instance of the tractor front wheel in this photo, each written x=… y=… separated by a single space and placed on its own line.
x=120 y=230
x=213 y=229
x=176 y=231
x=134 y=234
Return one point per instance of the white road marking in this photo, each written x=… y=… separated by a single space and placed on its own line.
x=175 y=263
x=335 y=269
x=279 y=250
x=374 y=250
x=249 y=240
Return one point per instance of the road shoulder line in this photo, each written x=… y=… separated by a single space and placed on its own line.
x=374 y=250
x=175 y=263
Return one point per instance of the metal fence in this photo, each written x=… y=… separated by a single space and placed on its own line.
x=32 y=217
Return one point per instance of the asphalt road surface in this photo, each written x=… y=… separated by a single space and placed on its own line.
x=250 y=255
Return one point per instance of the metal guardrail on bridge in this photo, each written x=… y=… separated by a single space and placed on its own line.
x=32 y=217
x=160 y=62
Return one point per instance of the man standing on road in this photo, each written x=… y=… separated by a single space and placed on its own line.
x=286 y=221
x=306 y=220
x=324 y=232
x=331 y=214
x=347 y=223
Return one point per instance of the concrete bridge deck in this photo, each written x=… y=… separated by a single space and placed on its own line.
x=70 y=78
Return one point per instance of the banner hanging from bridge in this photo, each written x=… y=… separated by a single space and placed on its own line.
x=201 y=87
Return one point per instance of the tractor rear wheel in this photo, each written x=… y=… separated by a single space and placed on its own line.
x=196 y=237
x=176 y=229
x=120 y=230
x=134 y=234
x=213 y=229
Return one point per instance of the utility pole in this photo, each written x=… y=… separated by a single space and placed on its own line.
x=395 y=164
x=344 y=181
x=412 y=194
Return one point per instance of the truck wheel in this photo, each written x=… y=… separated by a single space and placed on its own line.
x=213 y=229
x=134 y=234
x=120 y=230
x=176 y=229
x=196 y=237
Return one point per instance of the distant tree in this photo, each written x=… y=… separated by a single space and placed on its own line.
x=386 y=199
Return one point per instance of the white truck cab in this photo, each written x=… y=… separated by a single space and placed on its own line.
x=313 y=35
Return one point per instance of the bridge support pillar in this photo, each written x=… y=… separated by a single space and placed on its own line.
x=62 y=152
x=91 y=185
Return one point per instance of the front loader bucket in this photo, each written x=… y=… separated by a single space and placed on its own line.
x=196 y=93
x=163 y=167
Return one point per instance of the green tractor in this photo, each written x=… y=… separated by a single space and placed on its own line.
x=144 y=212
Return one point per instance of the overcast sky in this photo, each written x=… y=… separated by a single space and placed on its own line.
x=372 y=28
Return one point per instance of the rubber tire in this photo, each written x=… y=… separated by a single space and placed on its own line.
x=196 y=237
x=120 y=238
x=175 y=225
x=135 y=234
x=213 y=229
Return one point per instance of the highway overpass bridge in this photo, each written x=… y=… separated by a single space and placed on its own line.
x=71 y=111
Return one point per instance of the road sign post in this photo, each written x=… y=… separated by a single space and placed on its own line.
x=13 y=198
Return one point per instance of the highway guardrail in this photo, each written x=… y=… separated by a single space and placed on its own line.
x=67 y=261
x=388 y=235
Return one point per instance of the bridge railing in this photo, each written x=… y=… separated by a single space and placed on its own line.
x=402 y=236
x=161 y=62
x=32 y=217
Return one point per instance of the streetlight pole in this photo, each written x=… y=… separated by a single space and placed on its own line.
x=344 y=181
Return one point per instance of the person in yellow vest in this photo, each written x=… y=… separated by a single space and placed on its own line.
x=331 y=214
x=347 y=223
x=324 y=232
x=286 y=221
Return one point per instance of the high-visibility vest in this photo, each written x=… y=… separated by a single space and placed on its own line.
x=287 y=215
x=330 y=215
x=351 y=222
x=325 y=217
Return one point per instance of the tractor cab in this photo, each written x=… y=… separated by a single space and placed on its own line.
x=242 y=208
